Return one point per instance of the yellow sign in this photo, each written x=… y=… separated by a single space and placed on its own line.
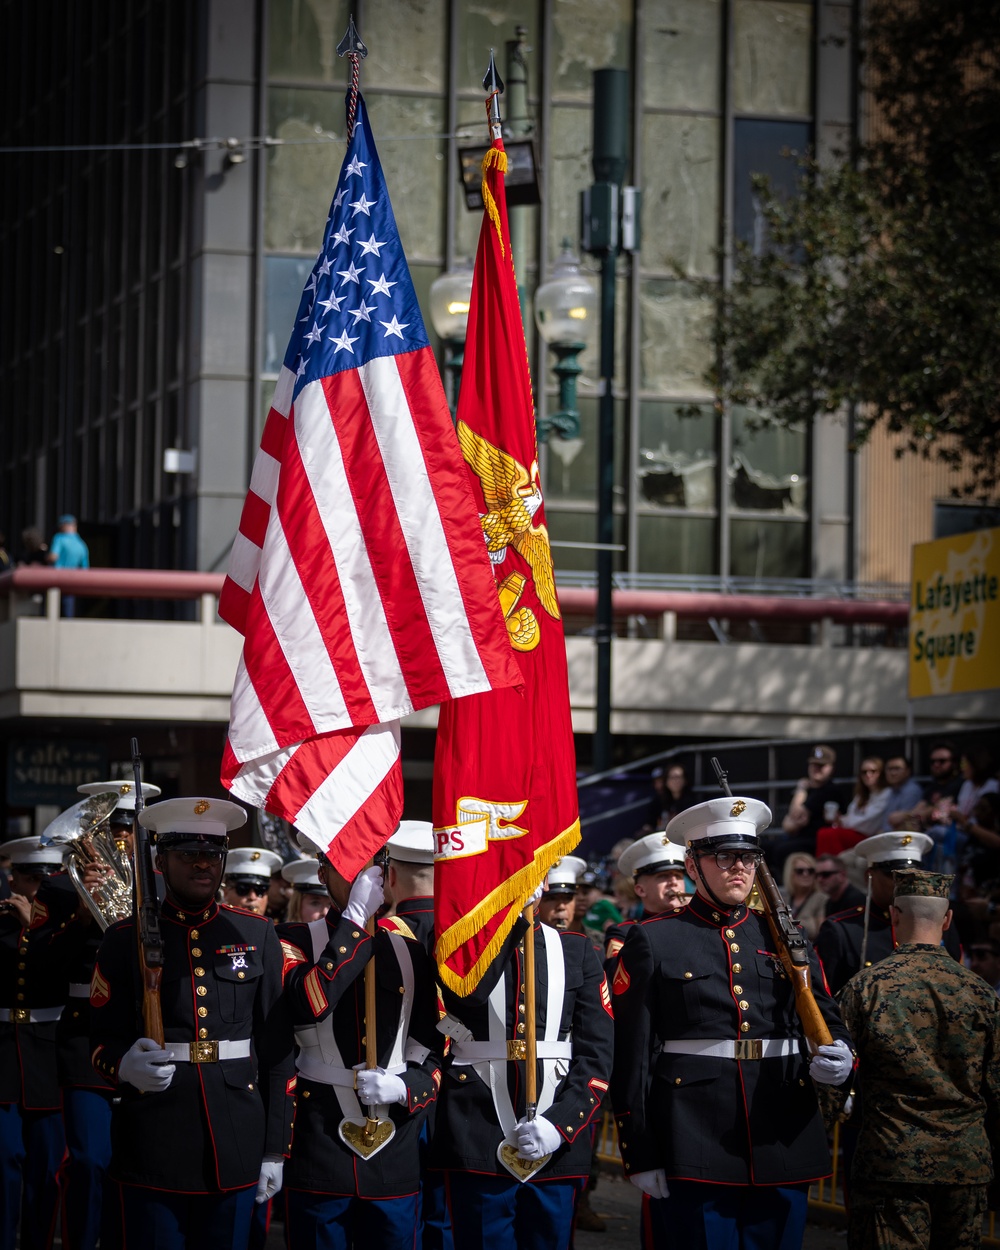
x=955 y=615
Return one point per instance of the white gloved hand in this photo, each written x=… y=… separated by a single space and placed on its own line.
x=147 y=1066
x=536 y=1138
x=378 y=1088
x=533 y=901
x=832 y=1065
x=367 y=896
x=653 y=1183
x=270 y=1177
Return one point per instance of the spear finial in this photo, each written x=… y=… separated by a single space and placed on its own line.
x=354 y=49
x=494 y=88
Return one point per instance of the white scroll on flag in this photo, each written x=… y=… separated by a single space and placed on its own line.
x=359 y=577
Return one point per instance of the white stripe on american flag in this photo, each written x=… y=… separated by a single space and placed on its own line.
x=324 y=465
x=283 y=390
x=254 y=780
x=298 y=635
x=250 y=731
x=346 y=790
x=244 y=561
x=264 y=478
x=420 y=521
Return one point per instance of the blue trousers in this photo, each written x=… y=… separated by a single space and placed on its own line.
x=435 y=1223
x=87 y=1120
x=153 y=1219
x=32 y=1145
x=737 y=1217
x=332 y=1222
x=492 y=1211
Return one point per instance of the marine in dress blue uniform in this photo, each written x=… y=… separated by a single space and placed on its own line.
x=482 y=1105
x=656 y=867
x=39 y=937
x=335 y=1197
x=248 y=877
x=711 y=1088
x=204 y=1122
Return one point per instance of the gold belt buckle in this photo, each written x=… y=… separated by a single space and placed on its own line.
x=750 y=1048
x=205 y=1052
x=517 y=1048
x=20 y=1015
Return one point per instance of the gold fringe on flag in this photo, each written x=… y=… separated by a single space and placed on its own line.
x=494 y=156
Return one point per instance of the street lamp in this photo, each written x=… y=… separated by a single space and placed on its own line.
x=451 y=296
x=565 y=308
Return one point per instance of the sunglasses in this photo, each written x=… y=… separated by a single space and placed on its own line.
x=194 y=857
x=243 y=888
x=804 y=872
x=829 y=872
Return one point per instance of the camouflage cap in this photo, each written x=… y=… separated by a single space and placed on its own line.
x=918 y=884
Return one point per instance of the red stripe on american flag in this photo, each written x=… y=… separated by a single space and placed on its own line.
x=234 y=603
x=253 y=522
x=398 y=589
x=273 y=681
x=275 y=429
x=310 y=549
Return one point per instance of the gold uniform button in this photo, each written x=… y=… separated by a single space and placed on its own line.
x=20 y=980
x=199 y=972
x=730 y=933
x=241 y=975
x=581 y=1115
x=20 y=997
x=402 y=990
x=20 y=967
x=196 y=952
x=744 y=1005
x=364 y=1041
x=744 y=1027
x=201 y=991
x=343 y=951
x=688 y=976
x=734 y=948
x=76 y=1015
x=203 y=1012
x=195 y=935
x=737 y=989
x=801 y=1081
x=203 y=1033
x=677 y=1080
x=250 y=1086
x=355 y=933
x=461 y=1076
x=520 y=1026
x=329 y=967
x=520 y=1007
x=569 y=1128
x=305 y=1093
x=868 y=963
x=737 y=968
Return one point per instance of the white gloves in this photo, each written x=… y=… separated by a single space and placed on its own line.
x=831 y=1065
x=147 y=1066
x=533 y=901
x=367 y=896
x=270 y=1178
x=378 y=1088
x=653 y=1183
x=536 y=1138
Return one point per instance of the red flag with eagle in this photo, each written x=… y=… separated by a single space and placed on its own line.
x=505 y=801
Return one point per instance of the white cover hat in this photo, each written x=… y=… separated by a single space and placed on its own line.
x=728 y=820
x=653 y=853
x=252 y=862
x=31 y=855
x=894 y=849
x=125 y=791
x=413 y=842
x=564 y=874
x=303 y=874
x=178 y=820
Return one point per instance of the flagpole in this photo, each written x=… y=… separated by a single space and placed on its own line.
x=530 y=1048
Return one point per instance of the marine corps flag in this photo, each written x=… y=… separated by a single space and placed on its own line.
x=505 y=802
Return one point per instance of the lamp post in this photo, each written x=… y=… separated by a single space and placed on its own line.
x=451 y=295
x=565 y=308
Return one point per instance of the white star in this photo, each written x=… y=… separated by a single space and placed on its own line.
x=393 y=327
x=362 y=205
x=344 y=343
x=324 y=269
x=302 y=367
x=371 y=246
x=311 y=284
x=332 y=303
x=314 y=335
x=343 y=235
x=355 y=167
x=340 y=197
x=380 y=287
x=350 y=274
x=361 y=314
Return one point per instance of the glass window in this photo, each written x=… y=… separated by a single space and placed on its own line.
x=302 y=176
x=681 y=52
x=680 y=203
x=675 y=348
x=678 y=546
x=571 y=171
x=773 y=58
x=770 y=148
x=579 y=527
x=485 y=26
x=768 y=471
x=302 y=39
x=767 y=548
x=677 y=457
x=585 y=38
x=408 y=138
x=284 y=278
x=571 y=472
x=408 y=52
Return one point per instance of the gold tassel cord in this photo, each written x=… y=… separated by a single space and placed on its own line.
x=494 y=158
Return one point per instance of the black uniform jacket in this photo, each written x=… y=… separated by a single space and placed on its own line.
x=320 y=1162
x=840 y=938
x=418 y=915
x=706 y=973
x=211 y=1128
x=73 y=1030
x=468 y=1132
x=35 y=965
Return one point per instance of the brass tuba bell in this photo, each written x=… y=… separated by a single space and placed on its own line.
x=78 y=830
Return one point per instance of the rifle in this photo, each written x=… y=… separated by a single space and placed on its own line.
x=793 y=949
x=147 y=916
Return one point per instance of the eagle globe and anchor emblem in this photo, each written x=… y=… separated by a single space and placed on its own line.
x=513 y=496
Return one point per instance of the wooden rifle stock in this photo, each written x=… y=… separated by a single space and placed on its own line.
x=147 y=916
x=792 y=946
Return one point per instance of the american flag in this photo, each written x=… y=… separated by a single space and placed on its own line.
x=359 y=577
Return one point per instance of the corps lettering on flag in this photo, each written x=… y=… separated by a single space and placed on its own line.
x=358 y=580
x=505 y=802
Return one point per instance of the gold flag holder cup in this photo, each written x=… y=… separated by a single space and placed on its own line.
x=368 y=1137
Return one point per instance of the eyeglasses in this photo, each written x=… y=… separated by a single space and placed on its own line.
x=829 y=872
x=727 y=859
x=804 y=872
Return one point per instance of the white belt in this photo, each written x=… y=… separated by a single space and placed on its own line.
x=310 y=1065
x=79 y=989
x=29 y=1015
x=207 y=1052
x=744 y=1048
x=475 y=1052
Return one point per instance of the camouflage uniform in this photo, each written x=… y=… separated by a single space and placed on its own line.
x=927 y=1033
